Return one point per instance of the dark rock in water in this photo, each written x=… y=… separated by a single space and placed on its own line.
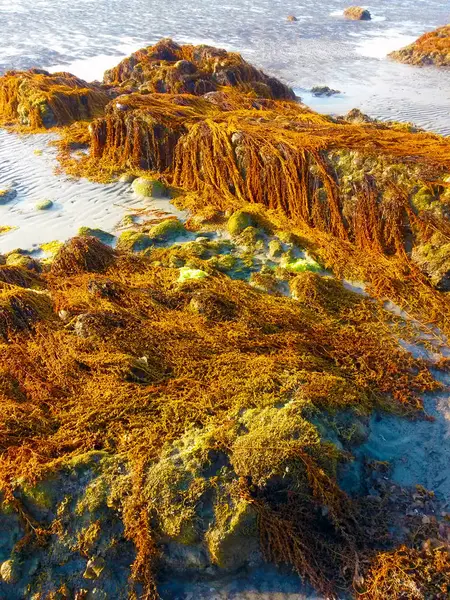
x=7 y=194
x=356 y=13
x=323 y=90
x=170 y=68
x=292 y=18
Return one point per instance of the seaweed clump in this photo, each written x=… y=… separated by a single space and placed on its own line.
x=432 y=48
x=168 y=67
x=36 y=99
x=198 y=401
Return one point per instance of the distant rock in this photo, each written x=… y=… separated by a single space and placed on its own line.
x=292 y=18
x=323 y=90
x=432 y=48
x=357 y=116
x=356 y=13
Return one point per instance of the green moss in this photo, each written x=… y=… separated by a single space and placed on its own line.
x=134 y=241
x=103 y=236
x=167 y=230
x=146 y=187
x=239 y=221
x=43 y=204
x=51 y=247
x=188 y=274
x=223 y=262
x=300 y=265
x=423 y=199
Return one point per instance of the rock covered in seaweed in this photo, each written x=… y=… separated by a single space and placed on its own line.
x=432 y=48
x=168 y=67
x=37 y=99
x=356 y=13
x=82 y=254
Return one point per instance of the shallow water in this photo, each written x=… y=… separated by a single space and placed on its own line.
x=322 y=48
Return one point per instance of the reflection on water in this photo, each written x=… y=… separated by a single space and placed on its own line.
x=321 y=48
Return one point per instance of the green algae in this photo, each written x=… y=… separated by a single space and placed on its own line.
x=147 y=188
x=239 y=221
x=44 y=204
x=189 y=274
x=134 y=241
x=103 y=236
x=167 y=230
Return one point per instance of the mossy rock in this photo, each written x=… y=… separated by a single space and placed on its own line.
x=103 y=236
x=300 y=265
x=167 y=230
x=6 y=195
x=134 y=241
x=10 y=571
x=15 y=259
x=51 y=248
x=127 y=178
x=143 y=186
x=42 y=495
x=275 y=248
x=233 y=539
x=239 y=221
x=423 y=199
x=45 y=204
x=190 y=274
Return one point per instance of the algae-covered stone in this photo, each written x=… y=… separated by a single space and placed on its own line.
x=423 y=199
x=167 y=230
x=44 y=204
x=127 y=178
x=233 y=539
x=134 y=241
x=94 y=568
x=143 y=186
x=103 y=236
x=239 y=221
x=10 y=571
x=299 y=265
x=275 y=248
x=7 y=194
x=188 y=274
x=22 y=260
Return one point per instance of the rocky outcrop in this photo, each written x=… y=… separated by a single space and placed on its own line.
x=170 y=68
x=36 y=99
x=356 y=13
x=432 y=48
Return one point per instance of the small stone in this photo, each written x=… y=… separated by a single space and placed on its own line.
x=426 y=520
x=292 y=18
x=10 y=571
x=127 y=178
x=44 y=204
x=7 y=194
x=64 y=315
x=94 y=568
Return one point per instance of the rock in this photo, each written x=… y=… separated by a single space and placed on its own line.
x=212 y=306
x=239 y=221
x=94 y=568
x=356 y=13
x=275 y=248
x=40 y=100
x=103 y=236
x=146 y=187
x=432 y=48
x=96 y=323
x=323 y=90
x=103 y=289
x=43 y=204
x=7 y=194
x=83 y=254
x=10 y=571
x=433 y=258
x=127 y=178
x=292 y=18
x=167 y=230
x=134 y=241
x=356 y=116
x=17 y=259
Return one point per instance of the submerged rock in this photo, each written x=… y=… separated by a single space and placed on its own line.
x=7 y=194
x=323 y=90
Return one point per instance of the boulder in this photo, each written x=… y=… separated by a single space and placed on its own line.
x=356 y=13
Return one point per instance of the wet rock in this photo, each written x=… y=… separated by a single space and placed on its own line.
x=169 y=229
x=103 y=236
x=323 y=90
x=146 y=187
x=356 y=13
x=292 y=18
x=94 y=568
x=134 y=241
x=43 y=204
x=10 y=571
x=7 y=194
x=239 y=221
